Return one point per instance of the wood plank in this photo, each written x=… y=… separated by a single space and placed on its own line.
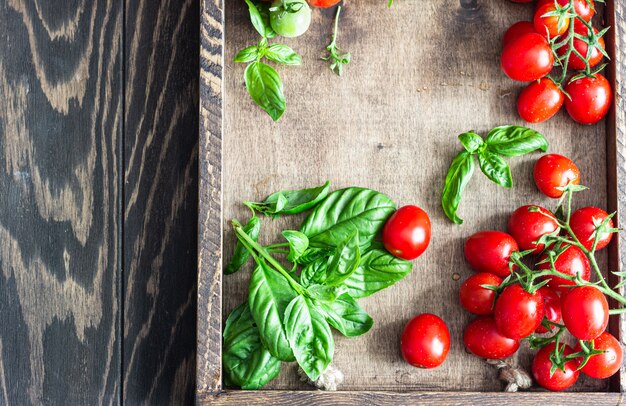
x=60 y=227
x=160 y=201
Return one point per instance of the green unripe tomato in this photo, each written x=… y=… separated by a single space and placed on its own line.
x=290 y=24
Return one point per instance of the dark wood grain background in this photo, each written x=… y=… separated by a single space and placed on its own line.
x=98 y=201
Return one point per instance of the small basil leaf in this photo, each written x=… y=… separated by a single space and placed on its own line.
x=512 y=140
x=291 y=201
x=247 y=363
x=241 y=253
x=314 y=272
x=495 y=168
x=325 y=293
x=471 y=141
x=281 y=202
x=344 y=262
x=264 y=10
x=282 y=54
x=298 y=243
x=255 y=18
x=377 y=270
x=345 y=315
x=459 y=174
x=310 y=336
x=313 y=254
x=269 y=295
x=265 y=88
x=248 y=54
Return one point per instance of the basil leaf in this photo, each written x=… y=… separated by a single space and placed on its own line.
x=241 y=253
x=344 y=262
x=290 y=201
x=459 y=174
x=248 y=54
x=377 y=270
x=345 y=315
x=343 y=212
x=313 y=254
x=269 y=295
x=255 y=18
x=264 y=10
x=315 y=272
x=247 y=363
x=282 y=54
x=495 y=168
x=265 y=88
x=310 y=336
x=471 y=141
x=298 y=243
x=325 y=293
x=512 y=140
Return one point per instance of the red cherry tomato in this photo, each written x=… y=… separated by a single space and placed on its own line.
x=474 y=297
x=518 y=313
x=489 y=251
x=571 y=262
x=322 y=3
x=553 y=171
x=517 y=30
x=584 y=222
x=406 y=233
x=527 y=226
x=425 y=341
x=581 y=7
x=539 y=101
x=590 y=100
x=481 y=338
x=527 y=58
x=559 y=380
x=603 y=365
x=585 y=312
x=549 y=25
x=581 y=46
x=552 y=307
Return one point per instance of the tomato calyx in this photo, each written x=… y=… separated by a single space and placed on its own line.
x=285 y=7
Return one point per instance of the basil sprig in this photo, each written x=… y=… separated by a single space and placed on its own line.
x=503 y=141
x=334 y=260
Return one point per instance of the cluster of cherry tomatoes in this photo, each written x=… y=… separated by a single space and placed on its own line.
x=532 y=48
x=511 y=314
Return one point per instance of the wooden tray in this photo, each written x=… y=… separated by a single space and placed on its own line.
x=422 y=72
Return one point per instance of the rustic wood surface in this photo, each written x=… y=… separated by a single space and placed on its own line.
x=417 y=79
x=98 y=150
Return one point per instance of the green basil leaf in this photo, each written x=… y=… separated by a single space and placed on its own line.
x=265 y=88
x=241 y=253
x=310 y=336
x=255 y=18
x=325 y=293
x=314 y=272
x=471 y=141
x=313 y=254
x=377 y=270
x=459 y=174
x=512 y=140
x=282 y=54
x=248 y=54
x=298 y=243
x=347 y=317
x=270 y=293
x=344 y=211
x=264 y=10
x=247 y=363
x=291 y=201
x=495 y=168
x=344 y=261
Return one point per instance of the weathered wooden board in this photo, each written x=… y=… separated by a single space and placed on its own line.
x=419 y=76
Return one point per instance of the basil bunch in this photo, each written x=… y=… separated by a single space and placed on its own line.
x=504 y=141
x=334 y=258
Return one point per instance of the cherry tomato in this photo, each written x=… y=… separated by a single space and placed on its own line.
x=481 y=338
x=474 y=297
x=527 y=226
x=581 y=46
x=518 y=313
x=489 y=251
x=603 y=365
x=425 y=341
x=572 y=261
x=517 y=30
x=581 y=7
x=560 y=379
x=539 y=101
x=548 y=26
x=406 y=233
x=527 y=58
x=591 y=99
x=322 y=3
x=553 y=171
x=584 y=222
x=552 y=307
x=290 y=24
x=585 y=312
